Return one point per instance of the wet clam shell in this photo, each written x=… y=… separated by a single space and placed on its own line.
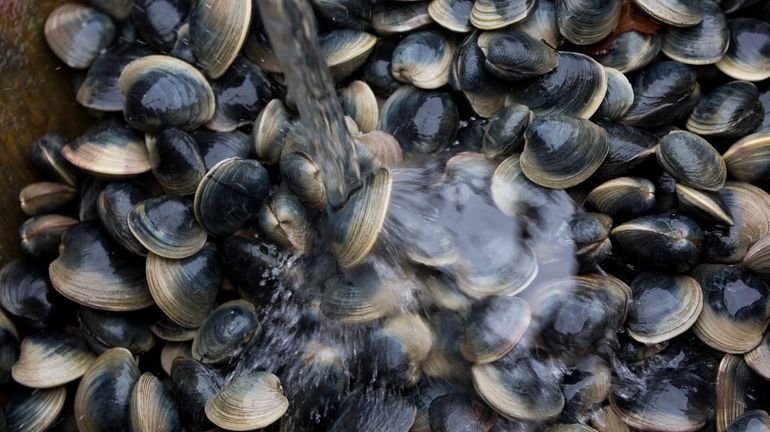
x=758 y=358
x=345 y=51
x=397 y=349
x=186 y=289
x=747 y=159
x=667 y=242
x=423 y=59
x=364 y=299
x=151 y=407
x=605 y=420
x=561 y=152
x=630 y=51
x=494 y=325
x=624 y=196
x=395 y=18
x=26 y=292
x=41 y=235
x=750 y=421
x=225 y=331
x=705 y=43
x=217 y=32
x=359 y=102
x=703 y=205
x=749 y=207
x=303 y=177
x=515 y=55
x=113 y=205
x=503 y=134
x=218 y=146
x=678 y=13
x=376 y=70
x=176 y=161
x=250 y=401
x=104 y=330
x=663 y=306
x=541 y=24
x=103 y=395
x=110 y=149
x=619 y=97
x=748 y=56
x=722 y=326
x=584 y=22
x=576 y=87
x=432 y=132
x=447 y=413
x=193 y=384
x=283 y=220
x=664 y=92
x=100 y=90
x=272 y=125
x=47 y=157
x=167 y=330
x=52 y=359
x=585 y=386
x=590 y=232
x=374 y=409
x=377 y=149
x=229 y=194
x=77 y=33
x=35 y=410
x=240 y=94
x=166 y=226
x=468 y=74
x=692 y=161
x=629 y=147
x=734 y=388
x=45 y=197
x=732 y=110
x=158 y=21
x=94 y=271
x=161 y=92
x=453 y=15
x=491 y=14
x=173 y=350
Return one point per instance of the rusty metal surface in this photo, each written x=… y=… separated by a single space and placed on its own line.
x=36 y=96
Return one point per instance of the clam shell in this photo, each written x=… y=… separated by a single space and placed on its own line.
x=758 y=359
x=194 y=384
x=733 y=389
x=345 y=51
x=225 y=331
x=750 y=421
x=448 y=412
x=114 y=204
x=453 y=15
x=495 y=324
x=240 y=94
x=41 y=235
x=584 y=22
x=678 y=13
x=271 y=127
x=36 y=410
x=619 y=97
x=218 y=146
x=49 y=360
x=732 y=110
x=430 y=133
x=170 y=331
x=703 y=206
x=359 y=102
x=747 y=159
x=395 y=18
x=217 y=32
x=664 y=92
x=283 y=220
x=541 y=24
x=365 y=298
x=749 y=207
x=45 y=197
x=100 y=89
x=304 y=179
x=248 y=402
x=495 y=14
x=160 y=34
x=503 y=134
x=26 y=292
x=104 y=330
x=77 y=33
x=747 y=55
x=586 y=386
x=423 y=59
x=705 y=43
x=367 y=409
x=666 y=242
x=377 y=149
x=47 y=158
x=173 y=350
x=757 y=258
x=692 y=161
x=468 y=74
x=110 y=149
x=630 y=51
x=515 y=55
x=625 y=196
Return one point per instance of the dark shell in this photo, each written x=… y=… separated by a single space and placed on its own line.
x=100 y=90
x=245 y=256
x=748 y=56
x=586 y=386
x=623 y=196
x=88 y=203
x=750 y=421
x=9 y=347
x=468 y=74
x=109 y=149
x=371 y=410
x=504 y=133
x=45 y=197
x=433 y=129
x=749 y=207
x=157 y=21
x=732 y=110
x=217 y=32
x=47 y=157
x=114 y=204
x=41 y=235
x=193 y=383
x=629 y=147
x=423 y=59
x=26 y=292
x=630 y=51
x=225 y=332
x=515 y=55
x=453 y=15
x=619 y=96
x=104 y=330
x=703 y=206
x=495 y=14
x=77 y=33
x=584 y=22
x=460 y=413
x=118 y=9
x=240 y=94
x=34 y=410
x=395 y=18
x=705 y=43
x=166 y=226
x=345 y=51
x=664 y=93
x=678 y=13
x=355 y=14
x=218 y=146
x=176 y=161
x=376 y=70
x=494 y=326
x=52 y=358
x=692 y=161
x=170 y=331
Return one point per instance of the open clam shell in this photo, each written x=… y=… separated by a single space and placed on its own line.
x=77 y=33
x=663 y=306
x=726 y=328
x=250 y=401
x=35 y=410
x=151 y=407
x=166 y=226
x=52 y=359
x=217 y=32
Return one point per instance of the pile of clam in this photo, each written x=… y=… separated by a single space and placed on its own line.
x=176 y=274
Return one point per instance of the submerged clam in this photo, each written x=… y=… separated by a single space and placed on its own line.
x=732 y=110
x=458 y=412
x=692 y=161
x=747 y=56
x=217 y=32
x=51 y=359
x=494 y=325
x=166 y=226
x=77 y=33
x=250 y=401
x=667 y=242
x=397 y=349
x=104 y=394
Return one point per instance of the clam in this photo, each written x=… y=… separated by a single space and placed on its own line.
x=494 y=326
x=605 y=420
x=678 y=401
x=757 y=258
x=377 y=149
x=9 y=346
x=623 y=196
x=585 y=386
x=345 y=13
x=183 y=46
x=166 y=226
x=248 y=402
x=359 y=102
x=225 y=331
x=664 y=92
x=303 y=178
x=749 y=207
x=484 y=91
x=703 y=205
x=666 y=242
x=365 y=298
x=229 y=194
x=193 y=384
x=170 y=331
x=240 y=94
x=619 y=97
x=541 y=24
x=217 y=32
x=520 y=386
x=45 y=197
x=77 y=33
x=515 y=55
x=104 y=330
x=732 y=110
x=574 y=427
x=459 y=412
x=424 y=394
x=176 y=161
x=173 y=350
x=376 y=71
x=705 y=43
x=100 y=90
x=272 y=124
x=151 y=407
x=345 y=51
x=584 y=22
x=26 y=292
x=430 y=132
x=747 y=158
x=158 y=21
x=629 y=147
x=453 y=15
x=629 y=51
x=423 y=59
x=735 y=390
x=692 y=161
x=161 y=92
x=47 y=157
x=395 y=18
x=89 y=192
x=575 y=314
x=750 y=421
x=109 y=149
x=561 y=152
x=246 y=254
x=94 y=271
x=397 y=349
x=283 y=220
x=722 y=325
x=34 y=410
x=663 y=306
x=104 y=394
x=51 y=359
x=576 y=87
x=374 y=409
x=185 y=290
x=590 y=232
x=746 y=57
x=114 y=204
x=41 y=235
x=491 y=14
x=758 y=359
x=503 y=134
x=677 y=13
x=218 y=146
